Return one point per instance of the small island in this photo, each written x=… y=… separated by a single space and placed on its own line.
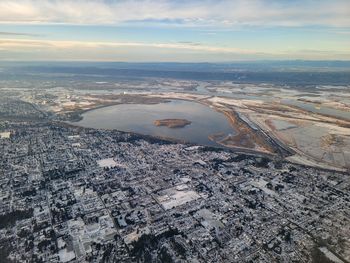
x=172 y=123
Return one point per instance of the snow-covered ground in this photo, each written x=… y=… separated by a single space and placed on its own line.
x=107 y=163
x=5 y=135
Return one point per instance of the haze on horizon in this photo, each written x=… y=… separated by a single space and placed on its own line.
x=174 y=31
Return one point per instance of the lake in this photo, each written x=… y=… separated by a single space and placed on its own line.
x=139 y=118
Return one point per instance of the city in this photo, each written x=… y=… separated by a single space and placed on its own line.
x=105 y=196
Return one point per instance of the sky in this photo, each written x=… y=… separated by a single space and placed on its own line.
x=174 y=31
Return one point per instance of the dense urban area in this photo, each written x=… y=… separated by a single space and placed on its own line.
x=74 y=194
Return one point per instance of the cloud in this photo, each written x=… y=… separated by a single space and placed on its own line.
x=343 y=32
x=31 y=49
x=25 y=49
x=223 y=13
x=19 y=34
x=47 y=44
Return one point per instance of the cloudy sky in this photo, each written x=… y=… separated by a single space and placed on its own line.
x=177 y=30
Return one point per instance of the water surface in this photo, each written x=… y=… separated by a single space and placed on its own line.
x=139 y=118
